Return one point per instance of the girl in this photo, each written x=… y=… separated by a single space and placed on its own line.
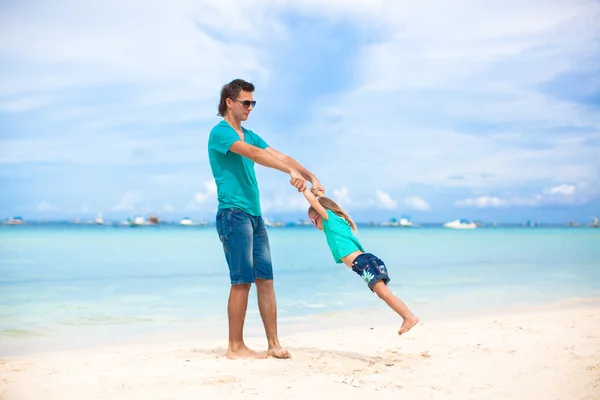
x=327 y=216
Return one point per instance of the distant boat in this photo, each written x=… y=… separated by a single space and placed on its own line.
x=272 y=224
x=186 y=222
x=530 y=224
x=595 y=223
x=136 y=221
x=153 y=220
x=460 y=224
x=99 y=220
x=573 y=223
x=15 y=221
x=404 y=222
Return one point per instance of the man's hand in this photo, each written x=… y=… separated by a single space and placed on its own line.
x=297 y=180
x=317 y=187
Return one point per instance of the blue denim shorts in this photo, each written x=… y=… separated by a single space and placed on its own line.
x=246 y=245
x=371 y=269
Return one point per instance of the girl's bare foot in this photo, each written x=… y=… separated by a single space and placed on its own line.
x=407 y=324
x=244 y=352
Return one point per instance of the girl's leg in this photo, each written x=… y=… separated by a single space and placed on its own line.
x=383 y=291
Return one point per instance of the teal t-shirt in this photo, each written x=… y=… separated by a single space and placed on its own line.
x=340 y=238
x=234 y=174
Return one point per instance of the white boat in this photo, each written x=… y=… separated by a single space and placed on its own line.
x=404 y=222
x=137 y=221
x=99 y=220
x=15 y=221
x=596 y=223
x=460 y=224
x=186 y=221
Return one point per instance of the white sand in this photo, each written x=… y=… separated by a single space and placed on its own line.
x=547 y=353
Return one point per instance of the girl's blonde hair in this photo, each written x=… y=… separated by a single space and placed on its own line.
x=329 y=204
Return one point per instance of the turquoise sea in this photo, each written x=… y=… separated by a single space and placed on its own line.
x=73 y=285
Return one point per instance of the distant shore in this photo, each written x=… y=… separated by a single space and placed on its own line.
x=289 y=224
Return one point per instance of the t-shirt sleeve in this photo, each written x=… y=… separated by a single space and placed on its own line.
x=221 y=140
x=330 y=216
x=258 y=141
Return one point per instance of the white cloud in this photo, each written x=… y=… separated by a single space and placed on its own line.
x=565 y=190
x=200 y=197
x=417 y=203
x=561 y=194
x=342 y=198
x=205 y=198
x=132 y=200
x=482 y=202
x=385 y=201
x=284 y=203
x=455 y=97
x=209 y=192
x=440 y=94
x=44 y=206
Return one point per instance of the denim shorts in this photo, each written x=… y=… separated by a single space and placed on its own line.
x=371 y=269
x=246 y=245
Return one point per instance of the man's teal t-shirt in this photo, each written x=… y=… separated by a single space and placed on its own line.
x=234 y=174
x=339 y=236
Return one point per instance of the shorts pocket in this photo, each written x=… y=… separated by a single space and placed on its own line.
x=379 y=266
x=221 y=224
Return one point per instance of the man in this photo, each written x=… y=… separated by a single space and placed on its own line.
x=232 y=151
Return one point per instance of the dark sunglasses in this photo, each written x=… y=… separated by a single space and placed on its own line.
x=246 y=103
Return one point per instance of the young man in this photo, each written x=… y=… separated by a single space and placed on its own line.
x=232 y=152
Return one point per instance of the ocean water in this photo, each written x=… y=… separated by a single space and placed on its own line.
x=69 y=285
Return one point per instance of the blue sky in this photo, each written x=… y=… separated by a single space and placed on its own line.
x=474 y=110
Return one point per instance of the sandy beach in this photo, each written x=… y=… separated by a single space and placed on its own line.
x=550 y=352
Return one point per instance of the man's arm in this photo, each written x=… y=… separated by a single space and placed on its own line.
x=266 y=159
x=297 y=166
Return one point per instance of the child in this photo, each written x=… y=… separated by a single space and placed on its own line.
x=327 y=216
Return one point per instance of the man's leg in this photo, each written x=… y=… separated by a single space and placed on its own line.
x=236 y=311
x=267 y=303
x=267 y=306
x=235 y=232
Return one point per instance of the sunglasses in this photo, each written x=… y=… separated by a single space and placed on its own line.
x=246 y=103
x=314 y=221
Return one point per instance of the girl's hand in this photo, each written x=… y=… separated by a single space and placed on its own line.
x=317 y=192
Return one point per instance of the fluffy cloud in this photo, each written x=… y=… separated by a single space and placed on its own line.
x=208 y=195
x=416 y=203
x=565 y=190
x=561 y=194
x=132 y=200
x=422 y=94
x=44 y=206
x=482 y=202
x=385 y=201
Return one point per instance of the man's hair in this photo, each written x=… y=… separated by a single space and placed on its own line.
x=232 y=91
x=329 y=204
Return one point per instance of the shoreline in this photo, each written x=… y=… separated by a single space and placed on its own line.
x=539 y=352
x=215 y=329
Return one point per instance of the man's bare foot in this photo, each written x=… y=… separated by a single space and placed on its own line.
x=407 y=324
x=244 y=352
x=278 y=352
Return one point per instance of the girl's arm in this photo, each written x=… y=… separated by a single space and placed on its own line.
x=315 y=203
